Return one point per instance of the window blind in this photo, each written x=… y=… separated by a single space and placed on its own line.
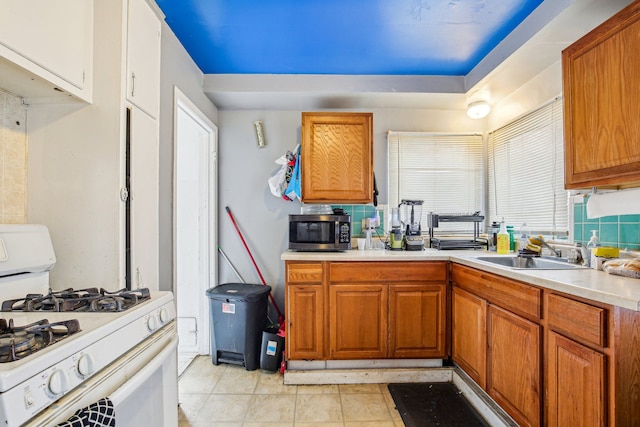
x=444 y=170
x=526 y=172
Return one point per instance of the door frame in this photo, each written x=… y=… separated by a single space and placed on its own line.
x=208 y=277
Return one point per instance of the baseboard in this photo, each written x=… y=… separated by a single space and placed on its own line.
x=367 y=376
x=306 y=365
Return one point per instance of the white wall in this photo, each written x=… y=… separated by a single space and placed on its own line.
x=542 y=88
x=177 y=69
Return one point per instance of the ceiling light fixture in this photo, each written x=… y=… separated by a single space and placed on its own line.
x=478 y=109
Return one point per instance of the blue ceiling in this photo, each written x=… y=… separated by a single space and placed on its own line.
x=349 y=37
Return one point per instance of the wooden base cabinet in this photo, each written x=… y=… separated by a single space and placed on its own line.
x=469 y=337
x=585 y=353
x=366 y=310
x=358 y=321
x=577 y=338
x=575 y=384
x=417 y=321
x=389 y=309
x=513 y=365
x=497 y=339
x=305 y=311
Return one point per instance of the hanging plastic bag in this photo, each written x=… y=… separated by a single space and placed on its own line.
x=293 y=191
x=279 y=182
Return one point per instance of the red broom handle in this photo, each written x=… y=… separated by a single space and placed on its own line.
x=275 y=304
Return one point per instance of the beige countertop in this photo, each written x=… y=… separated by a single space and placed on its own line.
x=586 y=283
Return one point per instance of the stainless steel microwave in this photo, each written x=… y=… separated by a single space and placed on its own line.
x=320 y=232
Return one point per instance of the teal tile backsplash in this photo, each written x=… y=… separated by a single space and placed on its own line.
x=358 y=213
x=622 y=231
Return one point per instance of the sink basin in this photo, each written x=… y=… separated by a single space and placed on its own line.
x=536 y=263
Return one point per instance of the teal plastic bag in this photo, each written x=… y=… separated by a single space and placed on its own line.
x=294 y=191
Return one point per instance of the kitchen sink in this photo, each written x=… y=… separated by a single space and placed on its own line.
x=534 y=263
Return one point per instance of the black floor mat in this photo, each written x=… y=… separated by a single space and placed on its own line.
x=433 y=404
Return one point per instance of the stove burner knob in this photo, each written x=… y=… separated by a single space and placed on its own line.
x=85 y=365
x=58 y=382
x=151 y=323
x=164 y=315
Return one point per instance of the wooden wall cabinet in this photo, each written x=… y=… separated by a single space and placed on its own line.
x=364 y=310
x=601 y=84
x=337 y=157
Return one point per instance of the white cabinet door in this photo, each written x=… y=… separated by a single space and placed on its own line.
x=143 y=57
x=56 y=36
x=144 y=200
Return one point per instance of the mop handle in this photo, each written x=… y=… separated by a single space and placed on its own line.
x=230 y=264
x=275 y=304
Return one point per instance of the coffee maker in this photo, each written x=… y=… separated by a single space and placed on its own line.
x=411 y=214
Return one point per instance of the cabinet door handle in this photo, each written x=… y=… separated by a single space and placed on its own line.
x=133 y=84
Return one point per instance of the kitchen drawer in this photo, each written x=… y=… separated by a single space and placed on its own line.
x=577 y=320
x=304 y=272
x=431 y=271
x=515 y=296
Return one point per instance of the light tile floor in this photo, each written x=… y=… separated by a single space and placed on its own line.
x=228 y=395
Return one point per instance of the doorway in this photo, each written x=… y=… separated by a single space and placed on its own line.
x=195 y=239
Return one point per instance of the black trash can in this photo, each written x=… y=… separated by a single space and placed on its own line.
x=272 y=348
x=238 y=317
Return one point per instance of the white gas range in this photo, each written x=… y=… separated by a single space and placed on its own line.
x=48 y=370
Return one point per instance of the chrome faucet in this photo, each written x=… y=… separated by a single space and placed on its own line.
x=540 y=242
x=556 y=252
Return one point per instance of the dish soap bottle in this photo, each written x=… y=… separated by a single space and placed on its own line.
x=503 y=245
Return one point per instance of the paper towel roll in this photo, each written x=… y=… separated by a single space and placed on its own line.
x=623 y=202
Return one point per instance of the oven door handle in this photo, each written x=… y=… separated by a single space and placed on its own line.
x=126 y=390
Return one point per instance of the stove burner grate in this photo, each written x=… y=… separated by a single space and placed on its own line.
x=87 y=300
x=18 y=342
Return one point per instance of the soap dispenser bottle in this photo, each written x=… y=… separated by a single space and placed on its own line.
x=503 y=245
x=593 y=242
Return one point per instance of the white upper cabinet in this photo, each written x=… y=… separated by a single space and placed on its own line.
x=51 y=40
x=143 y=56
